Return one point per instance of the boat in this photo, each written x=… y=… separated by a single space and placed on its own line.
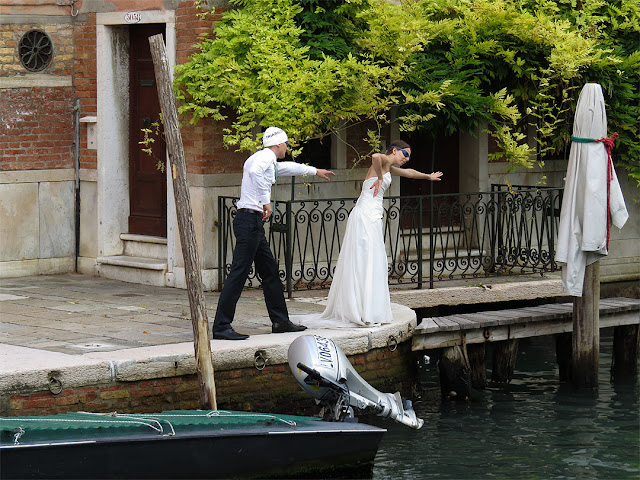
x=184 y=444
x=217 y=443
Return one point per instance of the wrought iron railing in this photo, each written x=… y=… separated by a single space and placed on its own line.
x=508 y=231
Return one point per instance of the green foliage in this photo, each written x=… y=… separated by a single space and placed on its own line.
x=149 y=139
x=258 y=66
x=496 y=57
x=318 y=66
x=614 y=27
x=328 y=26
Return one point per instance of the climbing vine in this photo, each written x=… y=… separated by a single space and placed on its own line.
x=316 y=67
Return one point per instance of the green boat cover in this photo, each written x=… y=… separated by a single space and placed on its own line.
x=165 y=422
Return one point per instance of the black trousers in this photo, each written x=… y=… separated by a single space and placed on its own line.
x=251 y=247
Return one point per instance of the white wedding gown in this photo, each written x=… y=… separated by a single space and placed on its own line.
x=359 y=293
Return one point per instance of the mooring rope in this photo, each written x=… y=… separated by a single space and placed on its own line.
x=157 y=427
x=224 y=413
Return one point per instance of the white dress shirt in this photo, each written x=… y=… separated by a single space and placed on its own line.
x=258 y=174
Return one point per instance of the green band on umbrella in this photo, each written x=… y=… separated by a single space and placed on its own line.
x=582 y=140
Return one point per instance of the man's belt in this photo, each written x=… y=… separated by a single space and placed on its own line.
x=249 y=210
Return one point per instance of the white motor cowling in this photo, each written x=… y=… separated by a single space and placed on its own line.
x=324 y=371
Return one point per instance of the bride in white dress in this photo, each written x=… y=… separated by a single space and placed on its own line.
x=359 y=293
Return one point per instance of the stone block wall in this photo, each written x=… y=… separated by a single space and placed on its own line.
x=37 y=222
x=273 y=389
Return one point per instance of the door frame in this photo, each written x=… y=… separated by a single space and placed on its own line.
x=141 y=220
x=112 y=57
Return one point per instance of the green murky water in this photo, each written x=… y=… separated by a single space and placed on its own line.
x=532 y=428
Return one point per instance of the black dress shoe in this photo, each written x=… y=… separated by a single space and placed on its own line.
x=229 y=334
x=287 y=326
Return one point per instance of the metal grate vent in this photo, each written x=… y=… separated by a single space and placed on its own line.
x=35 y=51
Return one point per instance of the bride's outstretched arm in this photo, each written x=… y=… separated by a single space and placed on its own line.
x=376 y=162
x=411 y=173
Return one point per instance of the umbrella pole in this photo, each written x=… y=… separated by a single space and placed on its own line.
x=586 y=331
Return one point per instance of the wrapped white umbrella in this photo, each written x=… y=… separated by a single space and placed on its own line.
x=592 y=196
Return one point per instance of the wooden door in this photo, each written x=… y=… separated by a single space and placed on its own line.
x=147 y=183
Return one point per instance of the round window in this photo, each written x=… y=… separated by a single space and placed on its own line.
x=35 y=51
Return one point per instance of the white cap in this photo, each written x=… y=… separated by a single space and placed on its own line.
x=274 y=136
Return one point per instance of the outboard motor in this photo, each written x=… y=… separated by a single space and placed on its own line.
x=328 y=376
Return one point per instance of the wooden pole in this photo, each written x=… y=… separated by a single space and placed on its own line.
x=564 y=347
x=626 y=342
x=586 y=331
x=193 y=274
x=505 y=354
x=476 y=352
x=455 y=380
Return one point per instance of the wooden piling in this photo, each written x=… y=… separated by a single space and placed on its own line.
x=193 y=272
x=586 y=331
x=564 y=343
x=626 y=341
x=476 y=353
x=504 y=360
x=455 y=380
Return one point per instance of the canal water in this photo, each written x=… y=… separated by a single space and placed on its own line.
x=532 y=428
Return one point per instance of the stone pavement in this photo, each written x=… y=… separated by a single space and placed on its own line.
x=76 y=314
x=91 y=330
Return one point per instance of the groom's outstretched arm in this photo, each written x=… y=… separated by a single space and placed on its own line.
x=322 y=173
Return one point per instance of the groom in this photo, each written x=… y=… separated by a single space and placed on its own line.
x=254 y=208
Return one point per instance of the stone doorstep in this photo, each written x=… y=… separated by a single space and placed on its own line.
x=139 y=270
x=133 y=262
x=145 y=246
x=26 y=370
x=130 y=237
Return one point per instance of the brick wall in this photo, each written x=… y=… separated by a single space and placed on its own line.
x=37 y=122
x=85 y=82
x=273 y=389
x=28 y=112
x=37 y=128
x=203 y=147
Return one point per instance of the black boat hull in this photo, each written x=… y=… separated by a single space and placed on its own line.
x=323 y=450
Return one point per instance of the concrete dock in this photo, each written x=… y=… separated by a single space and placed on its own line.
x=65 y=337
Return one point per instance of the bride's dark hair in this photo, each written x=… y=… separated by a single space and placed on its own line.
x=397 y=144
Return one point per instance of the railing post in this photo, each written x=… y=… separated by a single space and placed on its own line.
x=288 y=255
x=499 y=233
x=431 y=239
x=432 y=247
x=221 y=229
x=552 y=221
x=492 y=242
x=419 y=243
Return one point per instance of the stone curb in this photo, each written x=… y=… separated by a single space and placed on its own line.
x=479 y=293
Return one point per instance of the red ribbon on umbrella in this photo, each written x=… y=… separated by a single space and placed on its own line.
x=608 y=143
